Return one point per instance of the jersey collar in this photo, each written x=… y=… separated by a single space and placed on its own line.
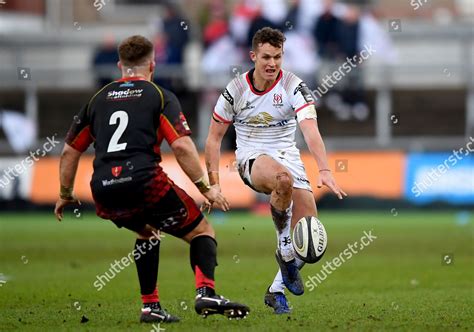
x=134 y=78
x=254 y=90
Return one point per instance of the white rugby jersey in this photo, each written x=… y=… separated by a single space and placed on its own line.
x=265 y=118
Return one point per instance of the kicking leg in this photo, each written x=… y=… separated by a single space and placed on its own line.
x=271 y=177
x=303 y=205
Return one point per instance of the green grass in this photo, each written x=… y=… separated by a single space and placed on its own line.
x=397 y=282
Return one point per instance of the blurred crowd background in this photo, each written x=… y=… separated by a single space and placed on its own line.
x=413 y=94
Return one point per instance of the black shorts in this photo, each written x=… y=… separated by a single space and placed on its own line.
x=176 y=214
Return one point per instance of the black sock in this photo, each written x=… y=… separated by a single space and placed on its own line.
x=152 y=305
x=203 y=251
x=146 y=256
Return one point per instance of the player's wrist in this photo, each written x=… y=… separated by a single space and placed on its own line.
x=213 y=177
x=324 y=170
x=66 y=193
x=203 y=185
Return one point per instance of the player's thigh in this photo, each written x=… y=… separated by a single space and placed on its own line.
x=303 y=205
x=264 y=173
x=176 y=213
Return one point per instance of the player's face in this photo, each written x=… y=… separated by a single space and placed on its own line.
x=268 y=61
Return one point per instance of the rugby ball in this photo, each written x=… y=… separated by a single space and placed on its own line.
x=309 y=239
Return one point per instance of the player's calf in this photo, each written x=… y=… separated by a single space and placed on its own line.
x=203 y=251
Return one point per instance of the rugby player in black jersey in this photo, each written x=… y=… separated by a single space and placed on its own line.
x=127 y=121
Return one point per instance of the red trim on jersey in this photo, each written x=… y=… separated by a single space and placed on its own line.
x=202 y=280
x=280 y=74
x=167 y=130
x=82 y=141
x=151 y=298
x=134 y=78
x=220 y=118
x=299 y=109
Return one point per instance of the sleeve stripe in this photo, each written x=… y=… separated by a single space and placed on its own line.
x=82 y=141
x=220 y=118
x=305 y=105
x=168 y=131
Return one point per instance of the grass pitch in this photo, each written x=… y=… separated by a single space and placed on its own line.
x=417 y=275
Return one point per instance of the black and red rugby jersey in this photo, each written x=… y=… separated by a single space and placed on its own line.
x=126 y=121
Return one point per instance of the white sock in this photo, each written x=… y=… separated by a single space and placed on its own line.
x=277 y=285
x=283 y=232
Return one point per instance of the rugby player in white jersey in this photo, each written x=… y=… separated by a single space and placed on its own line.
x=265 y=104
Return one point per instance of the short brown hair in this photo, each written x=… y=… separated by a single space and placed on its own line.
x=268 y=35
x=134 y=50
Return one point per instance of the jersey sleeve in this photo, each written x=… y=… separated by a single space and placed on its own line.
x=224 y=110
x=79 y=135
x=302 y=100
x=173 y=123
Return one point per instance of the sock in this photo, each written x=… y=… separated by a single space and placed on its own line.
x=203 y=251
x=282 y=221
x=146 y=256
x=152 y=305
x=205 y=291
x=278 y=285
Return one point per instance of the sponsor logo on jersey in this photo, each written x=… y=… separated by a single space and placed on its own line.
x=228 y=97
x=116 y=171
x=247 y=106
x=277 y=100
x=183 y=121
x=111 y=182
x=127 y=85
x=303 y=88
x=124 y=94
x=261 y=118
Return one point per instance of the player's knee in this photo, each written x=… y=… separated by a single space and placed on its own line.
x=284 y=183
x=148 y=233
x=204 y=228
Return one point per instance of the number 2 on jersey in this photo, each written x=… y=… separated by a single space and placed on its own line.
x=122 y=117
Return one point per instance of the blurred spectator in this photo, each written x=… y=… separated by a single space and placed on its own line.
x=176 y=33
x=326 y=33
x=337 y=33
x=307 y=13
x=272 y=14
x=220 y=51
x=170 y=41
x=105 y=61
x=243 y=13
x=299 y=48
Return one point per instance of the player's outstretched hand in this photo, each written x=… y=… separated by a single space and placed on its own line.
x=326 y=178
x=214 y=196
x=61 y=204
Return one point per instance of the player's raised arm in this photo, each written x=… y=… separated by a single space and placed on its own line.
x=315 y=144
x=212 y=153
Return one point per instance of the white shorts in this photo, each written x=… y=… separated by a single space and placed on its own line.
x=290 y=158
